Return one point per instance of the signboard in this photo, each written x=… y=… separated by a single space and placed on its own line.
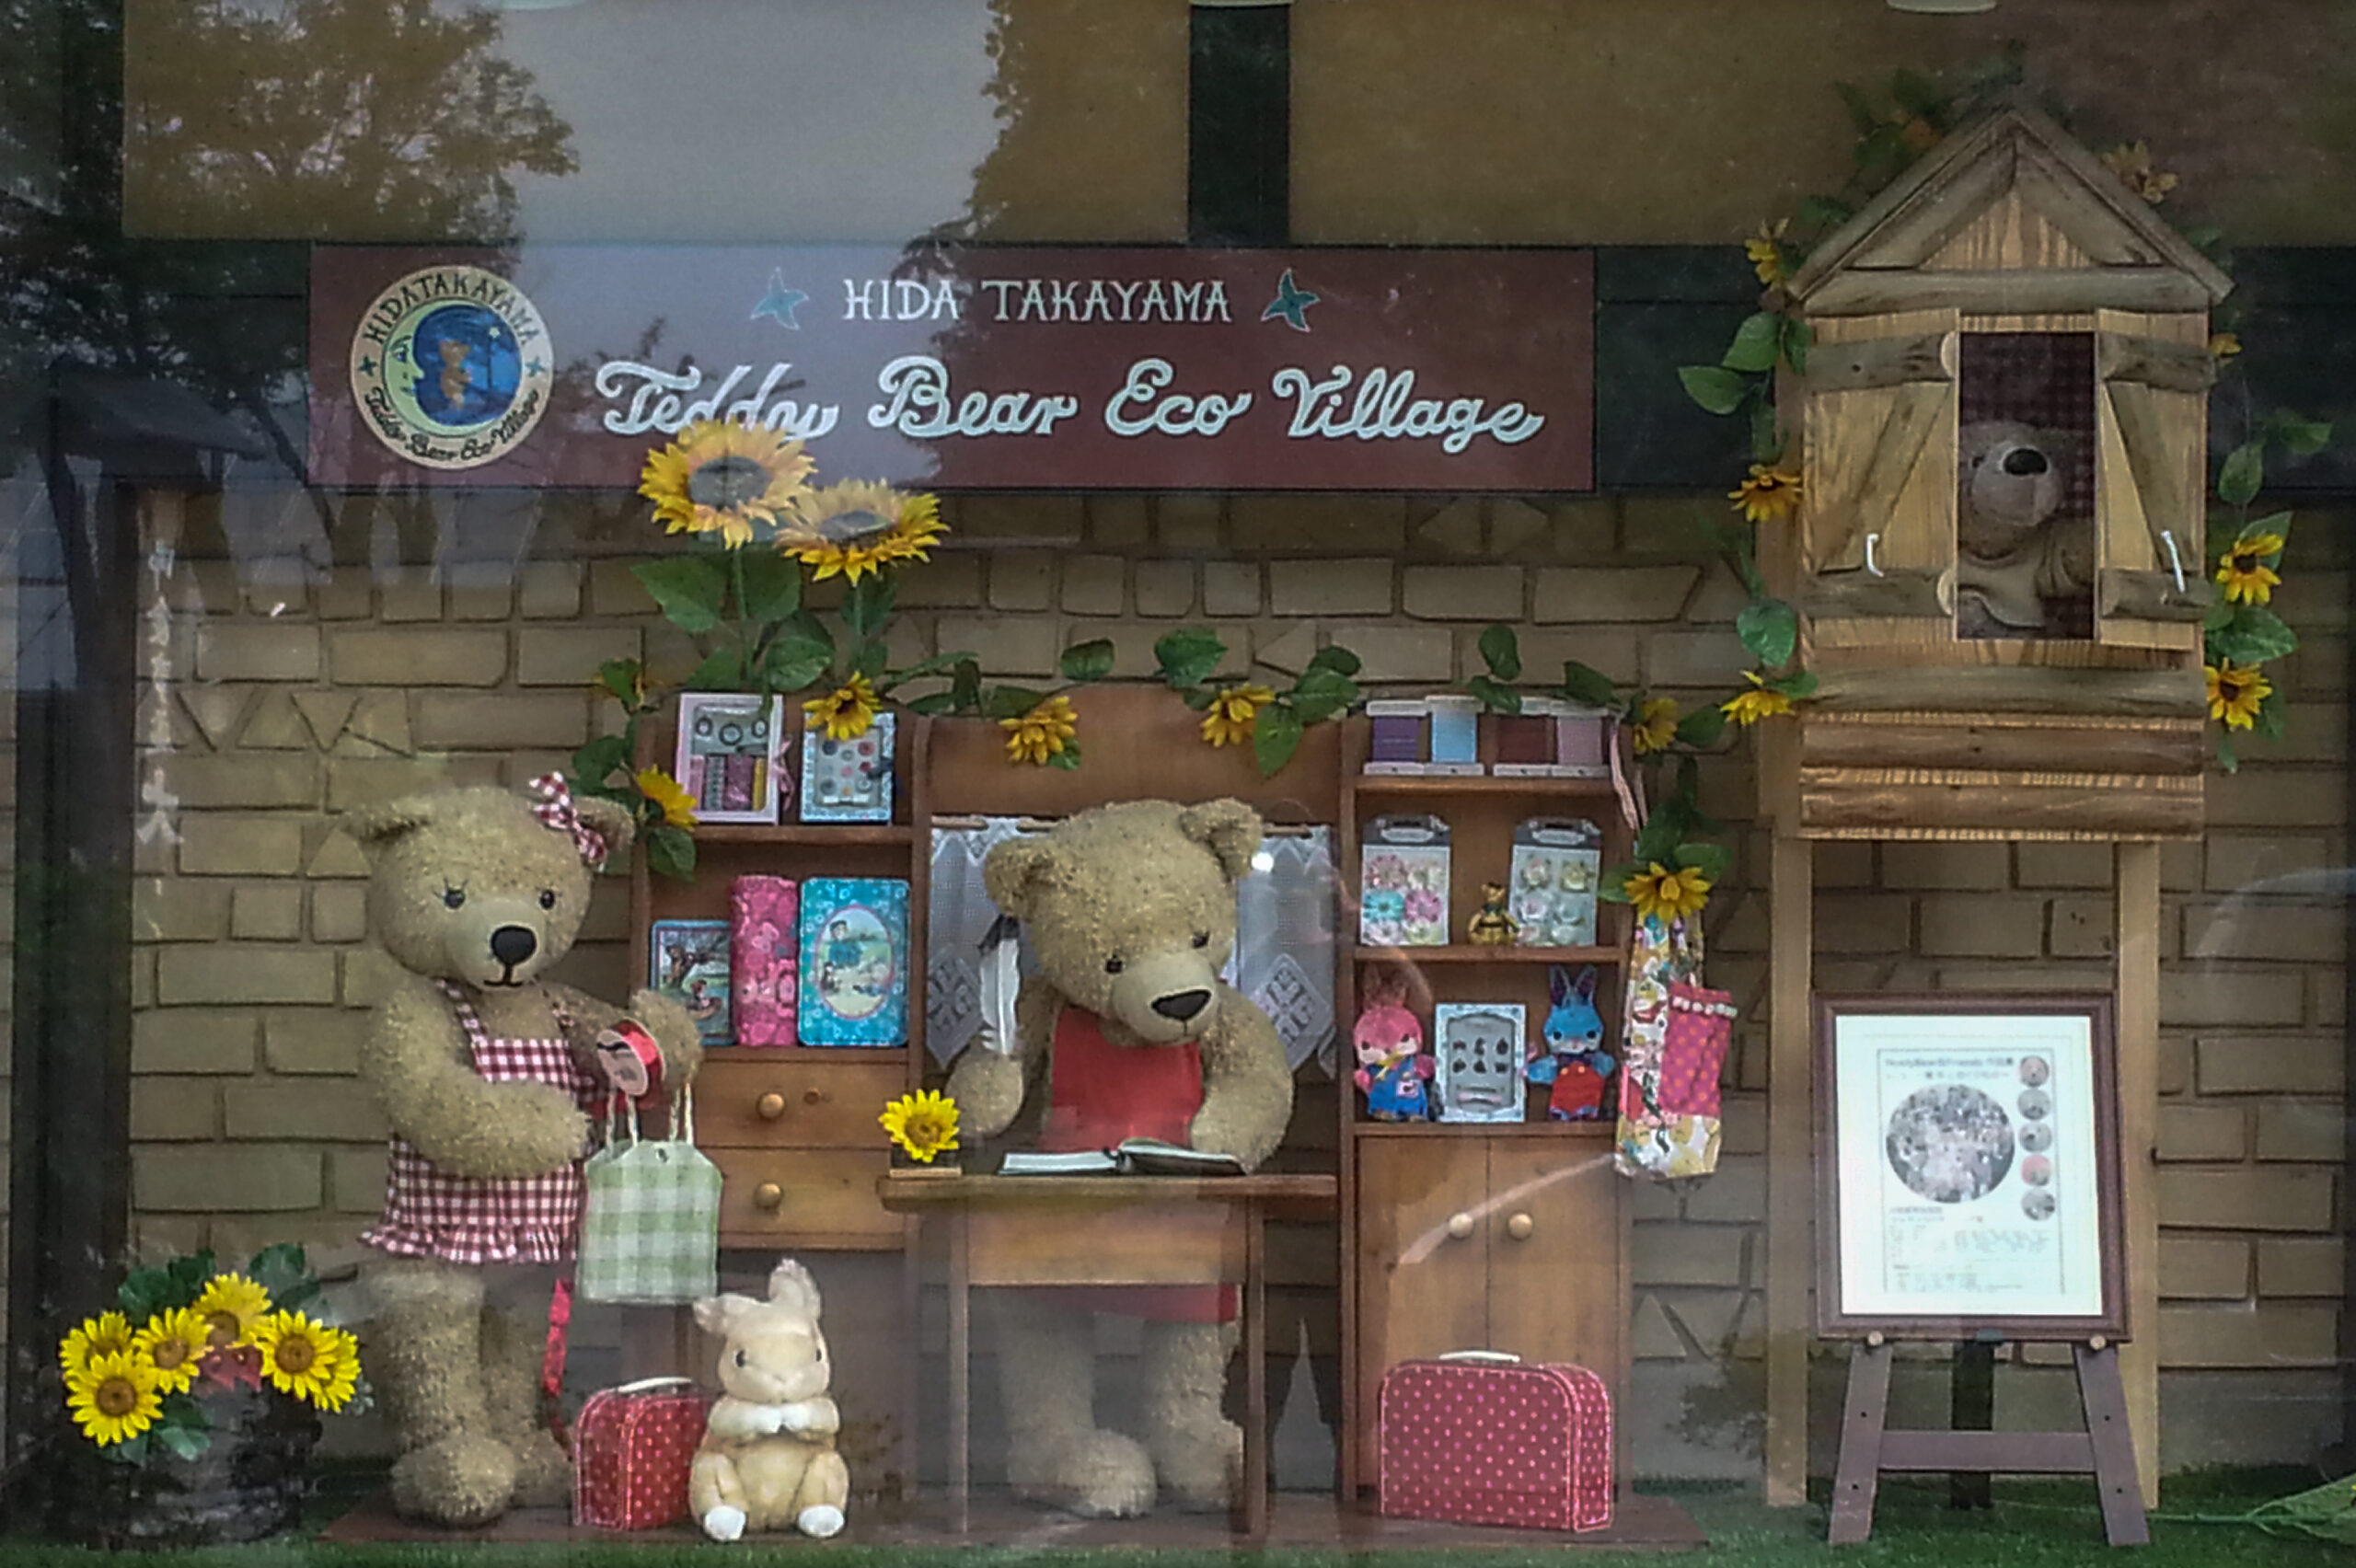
x=975 y=368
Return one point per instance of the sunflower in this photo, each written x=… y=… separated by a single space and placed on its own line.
x=678 y=806
x=310 y=1360
x=1658 y=891
x=1656 y=725
x=2132 y=161
x=116 y=1398
x=231 y=1306
x=1762 y=701
x=845 y=712
x=855 y=528
x=727 y=479
x=2243 y=570
x=1234 y=713
x=2236 y=691
x=1770 y=495
x=175 y=1339
x=1043 y=732
x=1766 y=253
x=2224 y=345
x=925 y=1123
x=109 y=1333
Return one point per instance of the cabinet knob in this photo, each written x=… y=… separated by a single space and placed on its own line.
x=1459 y=1225
x=770 y=1106
x=812 y=1096
x=1520 y=1226
x=768 y=1195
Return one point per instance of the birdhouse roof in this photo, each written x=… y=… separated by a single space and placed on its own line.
x=2014 y=156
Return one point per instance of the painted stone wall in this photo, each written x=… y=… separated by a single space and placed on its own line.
x=405 y=642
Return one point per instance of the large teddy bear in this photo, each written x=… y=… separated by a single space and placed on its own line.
x=1125 y=1031
x=2018 y=562
x=487 y=1076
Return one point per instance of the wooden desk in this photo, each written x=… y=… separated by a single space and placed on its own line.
x=1049 y=1230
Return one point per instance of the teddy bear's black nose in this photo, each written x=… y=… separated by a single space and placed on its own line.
x=512 y=944
x=2025 y=460
x=1181 y=1004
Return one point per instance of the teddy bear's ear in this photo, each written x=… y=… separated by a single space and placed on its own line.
x=791 y=1288
x=1014 y=873
x=612 y=820
x=376 y=827
x=1229 y=829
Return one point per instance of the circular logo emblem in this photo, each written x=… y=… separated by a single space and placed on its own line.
x=451 y=367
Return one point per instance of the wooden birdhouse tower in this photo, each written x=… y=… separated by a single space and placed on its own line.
x=2000 y=562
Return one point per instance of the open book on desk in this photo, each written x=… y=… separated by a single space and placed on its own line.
x=1131 y=1156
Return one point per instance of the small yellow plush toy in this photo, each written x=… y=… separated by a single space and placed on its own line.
x=768 y=1461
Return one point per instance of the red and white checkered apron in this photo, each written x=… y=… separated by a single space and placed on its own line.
x=430 y=1213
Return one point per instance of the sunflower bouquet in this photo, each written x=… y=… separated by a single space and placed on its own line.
x=188 y=1348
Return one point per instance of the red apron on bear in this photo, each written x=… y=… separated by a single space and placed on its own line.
x=1099 y=1093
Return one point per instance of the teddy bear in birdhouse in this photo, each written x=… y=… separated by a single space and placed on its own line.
x=1127 y=1030
x=768 y=1461
x=2025 y=564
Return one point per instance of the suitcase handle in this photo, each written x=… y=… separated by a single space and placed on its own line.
x=645 y=1383
x=1497 y=1357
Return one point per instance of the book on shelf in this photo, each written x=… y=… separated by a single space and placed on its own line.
x=1130 y=1157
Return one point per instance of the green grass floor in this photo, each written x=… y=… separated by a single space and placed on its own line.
x=2032 y=1524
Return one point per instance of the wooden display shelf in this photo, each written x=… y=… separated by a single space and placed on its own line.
x=803 y=833
x=1456 y=784
x=800 y=1053
x=1470 y=953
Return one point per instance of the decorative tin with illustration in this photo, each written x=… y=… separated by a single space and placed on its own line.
x=1402 y=882
x=854 y=969
x=688 y=959
x=1555 y=863
x=763 y=953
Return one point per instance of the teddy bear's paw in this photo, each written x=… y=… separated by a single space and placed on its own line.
x=1202 y=1472
x=820 y=1520
x=1103 y=1475
x=723 y=1523
x=463 y=1479
x=543 y=1475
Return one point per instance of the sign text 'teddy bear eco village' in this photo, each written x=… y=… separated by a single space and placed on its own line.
x=978 y=368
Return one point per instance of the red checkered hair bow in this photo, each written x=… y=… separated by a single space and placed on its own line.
x=554 y=809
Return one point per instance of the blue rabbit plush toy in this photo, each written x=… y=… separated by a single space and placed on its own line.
x=1571 y=1055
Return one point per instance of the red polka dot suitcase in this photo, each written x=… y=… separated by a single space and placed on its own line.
x=631 y=1449
x=1478 y=1437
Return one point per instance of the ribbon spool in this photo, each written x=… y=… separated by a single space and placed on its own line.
x=631 y=1060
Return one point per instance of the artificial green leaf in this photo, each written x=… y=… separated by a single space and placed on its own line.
x=1501 y=650
x=2254 y=634
x=1798 y=339
x=1012 y=702
x=1090 y=660
x=1715 y=387
x=1656 y=844
x=1917 y=95
x=1068 y=759
x=1276 y=735
x=2244 y=472
x=278 y=1268
x=810 y=628
x=2275 y=523
x=598 y=762
x=1200 y=698
x=1756 y=342
x=143 y=1294
x=133 y=1451
x=671 y=851
x=1320 y=694
x=2220 y=615
x=2299 y=437
x=1766 y=431
x=185 y=1410
x=2271 y=716
x=1708 y=859
x=1587 y=686
x=2226 y=759
x=869 y=661
x=923 y=667
x=296 y=1296
x=772 y=585
x=183 y=1444
x=1771 y=630
x=1862 y=113
x=1703 y=727
x=626 y=678
x=722 y=670
x=1611 y=886
x=1188 y=655
x=1495 y=696
x=1825 y=212
x=1879 y=155
x=869 y=604
x=1336 y=658
x=690 y=589
x=1799 y=685
x=933 y=703
x=966 y=685
x=796 y=663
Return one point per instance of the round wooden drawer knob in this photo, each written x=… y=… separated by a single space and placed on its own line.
x=770 y=1106
x=1459 y=1225
x=1520 y=1226
x=813 y=1096
x=768 y=1195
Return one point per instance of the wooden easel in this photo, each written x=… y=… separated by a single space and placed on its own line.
x=2105 y=1451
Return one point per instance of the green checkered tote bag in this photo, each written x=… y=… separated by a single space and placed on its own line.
x=650 y=1227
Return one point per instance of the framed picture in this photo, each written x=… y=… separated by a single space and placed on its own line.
x=727 y=759
x=1479 y=1048
x=688 y=960
x=1968 y=1161
x=849 y=780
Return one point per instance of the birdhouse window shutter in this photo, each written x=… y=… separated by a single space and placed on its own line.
x=1877 y=510
x=2152 y=585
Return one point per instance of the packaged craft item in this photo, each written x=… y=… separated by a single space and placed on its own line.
x=1402 y=882
x=1555 y=863
x=848 y=780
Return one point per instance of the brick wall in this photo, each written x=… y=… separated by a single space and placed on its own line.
x=413 y=641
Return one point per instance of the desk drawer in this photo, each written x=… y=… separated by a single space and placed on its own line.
x=822 y=1196
x=805 y=1099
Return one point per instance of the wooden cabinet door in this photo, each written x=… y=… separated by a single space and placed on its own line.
x=1554 y=1254
x=1421 y=1289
